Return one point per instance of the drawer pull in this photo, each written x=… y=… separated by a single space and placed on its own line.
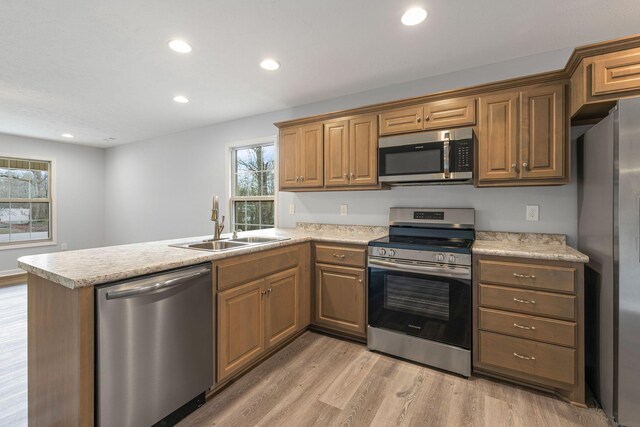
x=528 y=328
x=524 y=301
x=524 y=357
x=339 y=256
x=524 y=276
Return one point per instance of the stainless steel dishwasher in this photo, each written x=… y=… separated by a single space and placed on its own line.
x=155 y=347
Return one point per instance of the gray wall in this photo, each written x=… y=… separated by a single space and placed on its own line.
x=79 y=181
x=162 y=187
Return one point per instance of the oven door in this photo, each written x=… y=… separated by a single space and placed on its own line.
x=427 y=300
x=411 y=162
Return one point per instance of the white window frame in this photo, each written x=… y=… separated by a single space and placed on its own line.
x=53 y=212
x=230 y=182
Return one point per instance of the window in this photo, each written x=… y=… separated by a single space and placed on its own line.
x=25 y=201
x=253 y=187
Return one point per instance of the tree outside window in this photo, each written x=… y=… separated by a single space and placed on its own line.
x=253 y=187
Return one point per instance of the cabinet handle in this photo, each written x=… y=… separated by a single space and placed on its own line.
x=524 y=357
x=426 y=118
x=524 y=276
x=359 y=280
x=297 y=179
x=345 y=176
x=263 y=293
x=339 y=256
x=352 y=175
x=525 y=166
x=418 y=119
x=524 y=301
x=514 y=166
x=528 y=328
x=302 y=178
x=269 y=290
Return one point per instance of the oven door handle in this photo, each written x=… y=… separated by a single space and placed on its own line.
x=423 y=269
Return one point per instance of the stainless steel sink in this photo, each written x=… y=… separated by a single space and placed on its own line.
x=258 y=239
x=229 y=244
x=214 y=246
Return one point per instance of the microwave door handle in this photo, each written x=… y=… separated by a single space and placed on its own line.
x=446 y=153
x=422 y=269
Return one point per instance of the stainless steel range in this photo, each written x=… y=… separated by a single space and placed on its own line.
x=420 y=287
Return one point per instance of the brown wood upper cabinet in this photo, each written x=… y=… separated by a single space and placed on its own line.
x=351 y=152
x=301 y=157
x=522 y=137
x=599 y=81
x=433 y=115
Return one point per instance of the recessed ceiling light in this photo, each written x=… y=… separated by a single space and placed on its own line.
x=414 y=16
x=270 y=64
x=67 y=135
x=181 y=99
x=180 y=46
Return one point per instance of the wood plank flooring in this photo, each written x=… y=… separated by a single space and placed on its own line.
x=13 y=355
x=323 y=381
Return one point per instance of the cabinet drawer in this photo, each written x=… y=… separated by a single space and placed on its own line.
x=530 y=360
x=237 y=270
x=528 y=302
x=340 y=255
x=450 y=112
x=401 y=120
x=561 y=279
x=531 y=327
x=616 y=72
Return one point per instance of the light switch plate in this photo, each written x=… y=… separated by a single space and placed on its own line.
x=63 y=246
x=533 y=213
x=292 y=209
x=344 y=210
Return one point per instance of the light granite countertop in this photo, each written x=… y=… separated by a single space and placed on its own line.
x=527 y=245
x=89 y=267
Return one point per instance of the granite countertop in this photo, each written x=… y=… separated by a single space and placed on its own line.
x=526 y=245
x=89 y=267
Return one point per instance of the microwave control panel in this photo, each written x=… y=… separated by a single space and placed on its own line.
x=462 y=155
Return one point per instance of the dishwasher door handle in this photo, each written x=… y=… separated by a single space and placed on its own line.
x=157 y=286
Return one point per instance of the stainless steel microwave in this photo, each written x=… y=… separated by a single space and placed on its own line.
x=426 y=157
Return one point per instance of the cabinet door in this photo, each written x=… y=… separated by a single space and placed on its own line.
x=289 y=157
x=402 y=120
x=449 y=113
x=336 y=153
x=542 y=132
x=240 y=327
x=498 y=137
x=311 y=155
x=281 y=306
x=616 y=72
x=340 y=298
x=363 y=150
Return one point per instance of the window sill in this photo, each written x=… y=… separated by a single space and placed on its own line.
x=27 y=244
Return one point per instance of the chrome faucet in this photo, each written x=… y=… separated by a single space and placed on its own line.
x=215 y=214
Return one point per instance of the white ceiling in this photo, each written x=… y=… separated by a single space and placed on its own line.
x=100 y=69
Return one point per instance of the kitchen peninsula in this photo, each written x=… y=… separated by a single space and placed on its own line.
x=61 y=299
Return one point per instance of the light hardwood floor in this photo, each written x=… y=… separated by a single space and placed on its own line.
x=322 y=381
x=13 y=355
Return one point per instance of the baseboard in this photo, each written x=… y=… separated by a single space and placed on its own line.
x=13 y=277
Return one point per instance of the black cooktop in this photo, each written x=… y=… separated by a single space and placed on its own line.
x=425 y=243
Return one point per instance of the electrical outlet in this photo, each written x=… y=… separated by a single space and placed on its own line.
x=344 y=210
x=292 y=209
x=63 y=246
x=533 y=213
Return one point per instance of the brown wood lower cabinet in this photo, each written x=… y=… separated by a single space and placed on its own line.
x=340 y=298
x=340 y=289
x=526 y=335
x=270 y=306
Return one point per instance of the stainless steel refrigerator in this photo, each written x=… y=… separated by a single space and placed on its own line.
x=609 y=233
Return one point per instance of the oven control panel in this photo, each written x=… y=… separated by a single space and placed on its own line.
x=424 y=256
